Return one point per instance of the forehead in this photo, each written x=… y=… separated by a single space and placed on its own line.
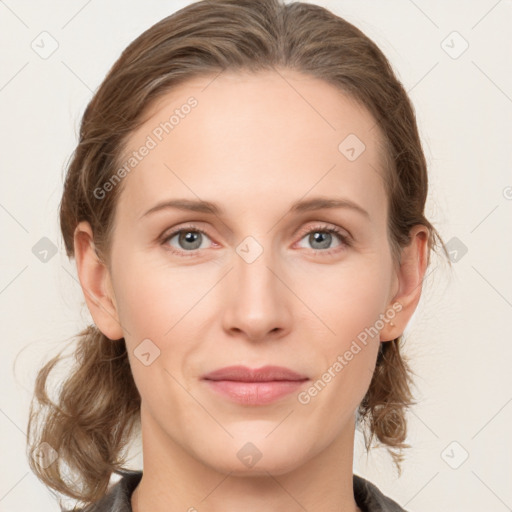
x=244 y=139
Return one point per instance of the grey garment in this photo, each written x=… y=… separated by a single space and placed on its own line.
x=118 y=499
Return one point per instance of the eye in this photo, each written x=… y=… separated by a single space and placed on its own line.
x=189 y=239
x=321 y=237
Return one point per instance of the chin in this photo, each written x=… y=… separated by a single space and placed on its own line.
x=256 y=458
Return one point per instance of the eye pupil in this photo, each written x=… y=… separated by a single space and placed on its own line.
x=190 y=237
x=322 y=237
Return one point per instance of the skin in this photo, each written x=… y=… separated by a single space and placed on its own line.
x=253 y=145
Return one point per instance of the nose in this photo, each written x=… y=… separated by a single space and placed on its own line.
x=258 y=301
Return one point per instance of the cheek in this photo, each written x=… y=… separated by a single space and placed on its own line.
x=157 y=300
x=167 y=305
x=160 y=304
x=348 y=299
x=350 y=304
x=154 y=296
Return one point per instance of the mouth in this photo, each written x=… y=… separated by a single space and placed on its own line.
x=259 y=386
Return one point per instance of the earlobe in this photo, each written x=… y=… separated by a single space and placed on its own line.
x=96 y=283
x=410 y=274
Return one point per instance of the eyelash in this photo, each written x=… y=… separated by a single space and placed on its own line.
x=322 y=228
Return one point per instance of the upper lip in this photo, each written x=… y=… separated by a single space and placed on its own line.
x=263 y=374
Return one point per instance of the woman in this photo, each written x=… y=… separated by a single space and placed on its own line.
x=276 y=141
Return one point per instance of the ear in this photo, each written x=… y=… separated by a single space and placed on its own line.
x=410 y=274
x=96 y=284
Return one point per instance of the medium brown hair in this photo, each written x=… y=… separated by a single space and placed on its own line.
x=97 y=410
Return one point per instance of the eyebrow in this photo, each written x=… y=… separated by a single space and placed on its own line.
x=316 y=203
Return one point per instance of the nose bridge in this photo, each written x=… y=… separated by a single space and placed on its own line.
x=253 y=263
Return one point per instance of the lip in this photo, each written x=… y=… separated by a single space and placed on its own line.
x=263 y=374
x=257 y=386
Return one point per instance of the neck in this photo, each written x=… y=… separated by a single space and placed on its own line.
x=174 y=480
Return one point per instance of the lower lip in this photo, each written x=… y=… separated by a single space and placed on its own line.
x=255 y=393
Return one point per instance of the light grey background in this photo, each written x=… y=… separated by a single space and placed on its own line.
x=459 y=340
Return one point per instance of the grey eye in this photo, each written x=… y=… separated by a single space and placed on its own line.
x=188 y=239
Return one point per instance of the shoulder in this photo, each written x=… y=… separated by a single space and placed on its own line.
x=370 y=499
x=118 y=497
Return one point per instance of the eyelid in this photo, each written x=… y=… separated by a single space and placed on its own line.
x=345 y=239
x=323 y=226
x=168 y=234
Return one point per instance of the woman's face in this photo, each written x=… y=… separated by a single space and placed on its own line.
x=266 y=283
